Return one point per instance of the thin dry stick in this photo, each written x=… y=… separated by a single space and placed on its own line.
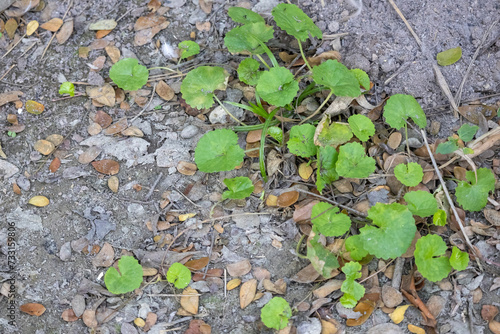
x=25 y=52
x=234 y=215
x=150 y=192
x=55 y=33
x=356 y=212
x=5 y=74
x=452 y=205
x=378 y=271
x=446 y=89
x=12 y=48
x=393 y=4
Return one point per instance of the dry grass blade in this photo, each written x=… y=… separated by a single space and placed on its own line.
x=446 y=89
x=396 y=8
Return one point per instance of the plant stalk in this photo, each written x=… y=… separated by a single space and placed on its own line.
x=303 y=55
x=262 y=162
x=263 y=62
x=227 y=111
x=319 y=108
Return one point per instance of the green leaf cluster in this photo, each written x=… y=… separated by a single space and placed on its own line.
x=239 y=188
x=361 y=126
x=277 y=86
x=248 y=71
x=337 y=77
x=334 y=134
x=326 y=172
x=421 y=203
x=128 y=74
x=128 y=279
x=353 y=291
x=276 y=313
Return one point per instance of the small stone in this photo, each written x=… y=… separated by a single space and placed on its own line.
x=7 y=170
x=390 y=296
x=334 y=26
x=435 y=304
x=445 y=285
x=311 y=326
x=189 y=131
x=435 y=126
x=386 y=328
x=65 y=252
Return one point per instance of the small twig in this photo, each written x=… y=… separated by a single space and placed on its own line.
x=5 y=74
x=12 y=48
x=446 y=89
x=356 y=212
x=147 y=104
x=234 y=215
x=150 y=192
x=69 y=97
x=398 y=72
x=187 y=198
x=25 y=52
x=169 y=295
x=55 y=32
x=393 y=4
x=334 y=36
x=378 y=271
x=126 y=13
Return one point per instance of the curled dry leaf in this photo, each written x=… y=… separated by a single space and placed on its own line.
x=164 y=91
x=365 y=307
x=233 y=284
x=113 y=183
x=240 y=268
x=189 y=302
x=133 y=131
x=247 y=292
x=287 y=199
x=186 y=168
x=65 y=32
x=69 y=315
x=106 y=166
x=399 y=314
x=39 y=201
x=104 y=95
x=54 y=165
x=35 y=309
x=52 y=25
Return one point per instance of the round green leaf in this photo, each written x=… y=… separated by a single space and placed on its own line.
x=330 y=223
x=447 y=147
x=421 y=203
x=439 y=218
x=188 y=49
x=449 y=56
x=218 y=151
x=248 y=71
x=354 y=245
x=473 y=196
x=428 y=259
x=353 y=162
x=334 y=134
x=128 y=74
x=399 y=107
x=247 y=37
x=179 y=275
x=337 y=77
x=301 y=140
x=128 y=279
x=67 y=88
x=410 y=175
x=276 y=313
x=199 y=85
x=239 y=188
x=459 y=260
x=467 y=132
x=277 y=86
x=363 y=78
x=243 y=15
x=361 y=126
x=295 y=22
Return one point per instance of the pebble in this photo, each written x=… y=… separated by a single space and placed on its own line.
x=197 y=16
x=334 y=26
x=265 y=6
x=25 y=220
x=65 y=252
x=435 y=126
x=390 y=296
x=435 y=304
x=387 y=64
x=95 y=79
x=23 y=183
x=189 y=131
x=311 y=326
x=218 y=116
x=357 y=60
x=387 y=328
x=7 y=169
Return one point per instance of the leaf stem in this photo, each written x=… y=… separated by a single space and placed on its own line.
x=262 y=161
x=319 y=108
x=297 y=249
x=163 y=68
x=227 y=111
x=263 y=61
x=303 y=55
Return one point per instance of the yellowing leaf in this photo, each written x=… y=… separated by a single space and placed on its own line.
x=186 y=216
x=247 y=292
x=139 y=322
x=305 y=171
x=11 y=27
x=113 y=183
x=103 y=25
x=189 y=302
x=39 y=201
x=399 y=313
x=234 y=283
x=31 y=27
x=416 y=329
x=34 y=107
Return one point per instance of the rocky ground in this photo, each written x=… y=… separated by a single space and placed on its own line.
x=56 y=265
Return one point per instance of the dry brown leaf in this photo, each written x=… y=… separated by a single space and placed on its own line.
x=254 y=136
x=144 y=36
x=151 y=319
x=113 y=53
x=328 y=328
x=55 y=139
x=105 y=257
x=44 y=146
x=271 y=200
x=203 y=26
x=102 y=33
x=186 y=168
x=103 y=119
x=116 y=127
x=471 y=112
x=306 y=275
x=52 y=25
x=98 y=44
x=54 y=165
x=32 y=309
x=303 y=211
x=21 y=7
x=327 y=288
x=147 y=272
x=252 y=149
x=494 y=326
x=65 y=33
x=197 y=264
x=83 y=52
x=215 y=272
x=31 y=27
x=287 y=199
x=154 y=5
x=11 y=27
x=69 y=315
x=113 y=183
x=233 y=284
x=365 y=307
x=247 y=292
x=104 y=95
x=206 y=6
x=133 y=131
x=415 y=329
x=198 y=326
x=240 y=268
x=149 y=21
x=106 y=166
x=89 y=318
x=9 y=97
x=189 y=302
x=12 y=119
x=492 y=216
x=16 y=189
x=39 y=201
x=164 y=91
x=98 y=64
x=89 y=155
x=394 y=140
x=489 y=312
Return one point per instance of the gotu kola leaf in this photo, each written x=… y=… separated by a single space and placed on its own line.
x=277 y=86
x=301 y=140
x=330 y=223
x=472 y=195
x=421 y=203
x=399 y=107
x=353 y=291
x=218 y=151
x=67 y=88
x=353 y=162
x=128 y=74
x=459 y=260
x=248 y=38
x=199 y=85
x=363 y=78
x=276 y=313
x=449 y=56
x=392 y=231
x=337 y=77
x=467 y=132
x=248 y=71
x=128 y=279
x=239 y=187
x=326 y=172
x=447 y=147
x=295 y=22
x=243 y=15
x=428 y=259
x=410 y=175
x=179 y=275
x=334 y=134
x=188 y=49
x=354 y=245
x=361 y=126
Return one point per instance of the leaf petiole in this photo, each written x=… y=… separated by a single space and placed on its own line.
x=263 y=61
x=227 y=111
x=262 y=162
x=303 y=55
x=319 y=108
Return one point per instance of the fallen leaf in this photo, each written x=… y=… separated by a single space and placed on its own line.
x=489 y=312
x=94 y=129
x=65 y=32
x=247 y=292
x=12 y=119
x=69 y=315
x=198 y=326
x=105 y=257
x=239 y=269
x=494 y=326
x=154 y=5
x=471 y=112
x=103 y=95
x=139 y=322
x=9 y=97
x=32 y=309
x=16 y=189
x=271 y=200
x=287 y=199
x=306 y=275
x=103 y=119
x=145 y=22
x=52 y=25
x=55 y=139
x=31 y=27
x=164 y=91
x=394 y=140
x=113 y=53
x=328 y=328
x=98 y=44
x=186 y=216
x=151 y=319
x=399 y=314
x=11 y=27
x=186 y=168
x=116 y=127
x=492 y=216
x=34 y=107
x=327 y=288
x=197 y=264
x=233 y=284
x=21 y=7
x=303 y=211
x=188 y=302
x=416 y=329
x=102 y=33
x=113 y=183
x=54 y=165
x=106 y=166
x=39 y=201
x=365 y=307
x=203 y=26
x=83 y=52
x=147 y=272
x=89 y=155
x=206 y=6
x=305 y=171
x=109 y=24
x=89 y=318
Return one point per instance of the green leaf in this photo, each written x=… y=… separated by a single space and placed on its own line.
x=276 y=133
x=247 y=37
x=331 y=223
x=467 y=132
x=248 y=71
x=473 y=196
x=334 y=134
x=468 y=150
x=363 y=78
x=361 y=126
x=128 y=279
x=276 y=313
x=399 y=107
x=295 y=22
x=410 y=175
x=447 y=147
x=277 y=86
x=353 y=162
x=428 y=259
x=218 y=151
x=394 y=234
x=243 y=15
x=128 y=74
x=354 y=245
x=326 y=172
x=421 y=203
x=449 y=56
x=337 y=77
x=322 y=259
x=199 y=85
x=439 y=218
x=188 y=49
x=67 y=88
x=353 y=291
x=459 y=260
x=301 y=140
x=239 y=188
x=179 y=275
